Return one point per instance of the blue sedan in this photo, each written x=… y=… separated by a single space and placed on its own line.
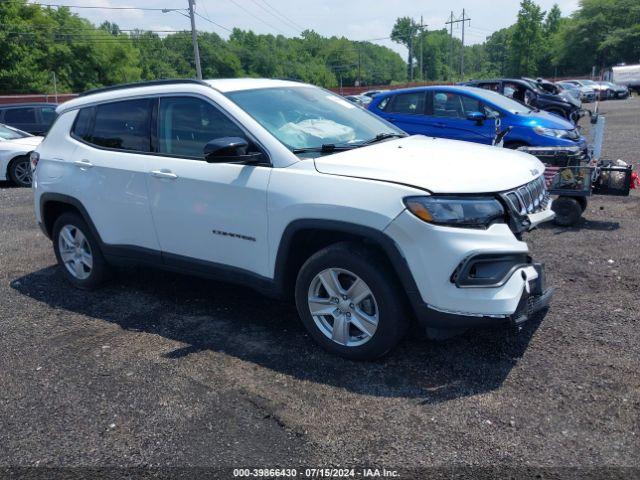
x=469 y=114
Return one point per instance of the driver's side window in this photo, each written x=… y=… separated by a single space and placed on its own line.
x=186 y=124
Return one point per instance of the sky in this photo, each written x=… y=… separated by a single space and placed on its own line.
x=355 y=19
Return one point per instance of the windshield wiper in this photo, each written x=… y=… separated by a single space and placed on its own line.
x=331 y=147
x=325 y=148
x=380 y=137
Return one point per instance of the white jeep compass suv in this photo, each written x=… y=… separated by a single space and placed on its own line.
x=298 y=193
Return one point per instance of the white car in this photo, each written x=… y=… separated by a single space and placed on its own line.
x=300 y=194
x=15 y=147
x=368 y=95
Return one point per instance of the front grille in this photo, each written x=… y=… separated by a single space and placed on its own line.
x=530 y=198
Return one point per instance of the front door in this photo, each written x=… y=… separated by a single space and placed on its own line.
x=448 y=112
x=205 y=213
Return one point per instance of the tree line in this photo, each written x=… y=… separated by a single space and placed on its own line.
x=39 y=41
x=599 y=34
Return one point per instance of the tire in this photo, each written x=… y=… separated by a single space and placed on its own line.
x=568 y=211
x=74 y=245
x=583 y=203
x=20 y=171
x=336 y=266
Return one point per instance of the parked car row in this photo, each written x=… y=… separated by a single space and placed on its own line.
x=602 y=90
x=474 y=114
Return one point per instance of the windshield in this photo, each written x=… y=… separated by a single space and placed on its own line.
x=588 y=82
x=308 y=117
x=504 y=103
x=8 y=133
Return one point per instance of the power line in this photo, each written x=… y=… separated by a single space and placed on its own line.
x=278 y=16
x=98 y=7
x=207 y=19
x=57 y=30
x=256 y=17
x=283 y=15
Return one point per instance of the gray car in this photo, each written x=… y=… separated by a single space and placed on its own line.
x=583 y=93
x=615 y=91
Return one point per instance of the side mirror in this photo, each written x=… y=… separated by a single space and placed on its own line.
x=477 y=117
x=229 y=150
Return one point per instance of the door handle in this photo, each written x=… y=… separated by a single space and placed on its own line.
x=164 y=174
x=440 y=125
x=84 y=163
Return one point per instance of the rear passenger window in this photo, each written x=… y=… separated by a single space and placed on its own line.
x=82 y=125
x=20 y=115
x=187 y=124
x=407 y=103
x=120 y=125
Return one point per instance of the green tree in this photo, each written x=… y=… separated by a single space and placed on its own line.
x=526 y=40
x=404 y=32
x=599 y=34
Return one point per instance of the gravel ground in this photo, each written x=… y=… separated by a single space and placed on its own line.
x=158 y=369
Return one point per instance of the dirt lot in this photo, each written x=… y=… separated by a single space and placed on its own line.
x=158 y=369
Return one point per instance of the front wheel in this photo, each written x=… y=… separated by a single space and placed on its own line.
x=20 y=171
x=568 y=211
x=350 y=303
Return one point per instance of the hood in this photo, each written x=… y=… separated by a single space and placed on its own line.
x=549 y=120
x=566 y=98
x=435 y=164
x=25 y=142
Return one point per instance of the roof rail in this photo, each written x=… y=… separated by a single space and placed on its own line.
x=148 y=83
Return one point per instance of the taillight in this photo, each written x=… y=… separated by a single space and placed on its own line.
x=34 y=158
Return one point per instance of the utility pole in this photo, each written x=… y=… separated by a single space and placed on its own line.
x=418 y=28
x=359 y=65
x=194 y=38
x=422 y=27
x=462 y=52
x=451 y=21
x=411 y=55
x=55 y=86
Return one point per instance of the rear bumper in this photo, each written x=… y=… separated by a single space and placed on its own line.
x=535 y=298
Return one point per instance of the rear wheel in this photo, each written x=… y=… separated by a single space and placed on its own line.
x=78 y=252
x=350 y=303
x=20 y=171
x=568 y=211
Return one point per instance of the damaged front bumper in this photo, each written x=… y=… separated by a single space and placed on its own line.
x=535 y=298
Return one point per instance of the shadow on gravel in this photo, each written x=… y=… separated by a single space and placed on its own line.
x=583 y=224
x=205 y=315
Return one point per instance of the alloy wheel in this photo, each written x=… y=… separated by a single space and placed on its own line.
x=22 y=172
x=75 y=252
x=343 y=307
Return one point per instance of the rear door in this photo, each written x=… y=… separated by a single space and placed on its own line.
x=407 y=111
x=448 y=113
x=110 y=167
